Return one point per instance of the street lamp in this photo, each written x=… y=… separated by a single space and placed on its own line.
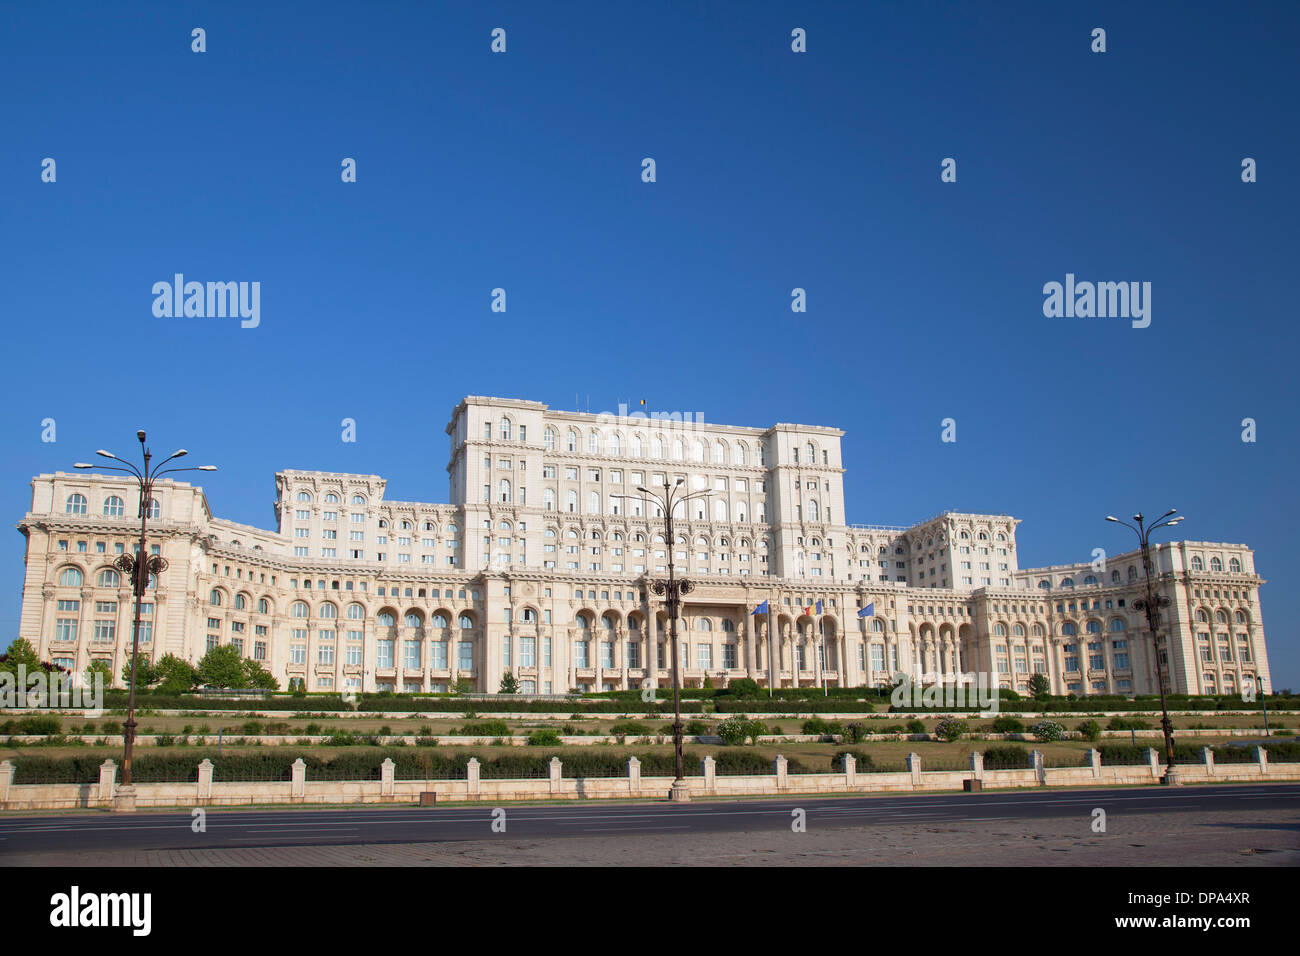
x=138 y=567
x=672 y=590
x=1152 y=604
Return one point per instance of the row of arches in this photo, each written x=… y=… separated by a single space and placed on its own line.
x=639 y=445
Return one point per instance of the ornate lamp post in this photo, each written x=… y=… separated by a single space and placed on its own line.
x=672 y=591
x=1152 y=604
x=138 y=568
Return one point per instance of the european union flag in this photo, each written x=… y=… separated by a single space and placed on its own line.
x=761 y=609
x=868 y=611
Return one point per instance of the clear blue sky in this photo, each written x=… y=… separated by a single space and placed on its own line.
x=775 y=170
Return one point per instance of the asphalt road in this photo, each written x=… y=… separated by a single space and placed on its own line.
x=104 y=831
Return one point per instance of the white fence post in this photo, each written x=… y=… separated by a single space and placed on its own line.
x=472 y=777
x=107 y=780
x=298 y=786
x=779 y=767
x=387 y=778
x=850 y=771
x=914 y=768
x=555 y=775
x=7 y=770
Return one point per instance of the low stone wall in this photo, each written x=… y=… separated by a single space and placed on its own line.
x=388 y=790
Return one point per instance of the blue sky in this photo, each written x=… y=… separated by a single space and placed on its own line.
x=775 y=170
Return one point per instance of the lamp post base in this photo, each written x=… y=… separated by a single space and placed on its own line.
x=680 y=792
x=1171 y=778
x=124 y=800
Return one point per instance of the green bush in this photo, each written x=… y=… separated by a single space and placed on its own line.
x=1007 y=724
x=629 y=727
x=483 y=728
x=544 y=737
x=252 y=728
x=915 y=726
x=1127 y=723
x=1006 y=757
x=1090 y=730
x=44 y=724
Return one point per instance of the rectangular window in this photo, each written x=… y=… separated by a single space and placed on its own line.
x=465 y=656
x=297 y=653
x=580 y=654
x=384 y=653
x=528 y=652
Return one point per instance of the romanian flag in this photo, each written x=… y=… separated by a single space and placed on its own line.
x=819 y=607
x=808 y=609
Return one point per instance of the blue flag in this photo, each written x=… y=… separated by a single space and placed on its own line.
x=819 y=607
x=761 y=609
x=868 y=611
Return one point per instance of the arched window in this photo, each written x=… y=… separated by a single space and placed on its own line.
x=505 y=429
x=503 y=489
x=385 y=619
x=697 y=450
x=1241 y=617
x=703 y=624
x=1067 y=582
x=593 y=502
x=1234 y=565
x=658 y=447
x=329 y=611
x=593 y=443
x=76 y=505
x=570 y=501
x=241 y=602
x=438 y=620
x=1069 y=629
x=1201 y=616
x=530 y=616
x=999 y=630
x=331 y=499
x=615 y=444
x=679 y=451
x=738 y=454
x=1045 y=584
x=1090 y=579
x=634 y=446
x=719 y=453
x=359 y=500
x=214 y=597
x=608 y=621
x=1117 y=625
x=1018 y=630
x=582 y=622
x=466 y=622
x=114 y=507
x=263 y=606
x=548 y=439
x=304 y=496
x=1216 y=564
x=814 y=512
x=108 y=578
x=1094 y=627
x=299 y=609
x=1221 y=616
x=356 y=612
x=1197 y=563
x=413 y=619
x=1132 y=573
x=1114 y=576
x=155 y=510
x=571 y=442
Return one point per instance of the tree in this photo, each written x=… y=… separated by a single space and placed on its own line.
x=175 y=676
x=146 y=672
x=1039 y=686
x=951 y=728
x=742 y=687
x=99 y=667
x=463 y=685
x=258 y=676
x=223 y=666
x=21 y=652
x=509 y=683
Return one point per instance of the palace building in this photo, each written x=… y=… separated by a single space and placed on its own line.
x=540 y=566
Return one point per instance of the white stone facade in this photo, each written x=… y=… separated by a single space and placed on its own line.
x=539 y=567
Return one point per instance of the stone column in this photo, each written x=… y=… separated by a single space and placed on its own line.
x=555 y=774
x=633 y=774
x=914 y=768
x=1207 y=755
x=7 y=769
x=976 y=765
x=205 y=781
x=298 y=783
x=1153 y=759
x=710 y=773
x=779 y=766
x=1094 y=761
x=1040 y=773
x=107 y=781
x=387 y=782
x=746 y=634
x=850 y=771
x=1261 y=756
x=472 y=783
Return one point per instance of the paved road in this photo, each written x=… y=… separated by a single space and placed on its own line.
x=61 y=835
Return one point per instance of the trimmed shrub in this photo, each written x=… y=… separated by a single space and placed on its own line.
x=915 y=726
x=862 y=758
x=1090 y=730
x=1007 y=724
x=544 y=737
